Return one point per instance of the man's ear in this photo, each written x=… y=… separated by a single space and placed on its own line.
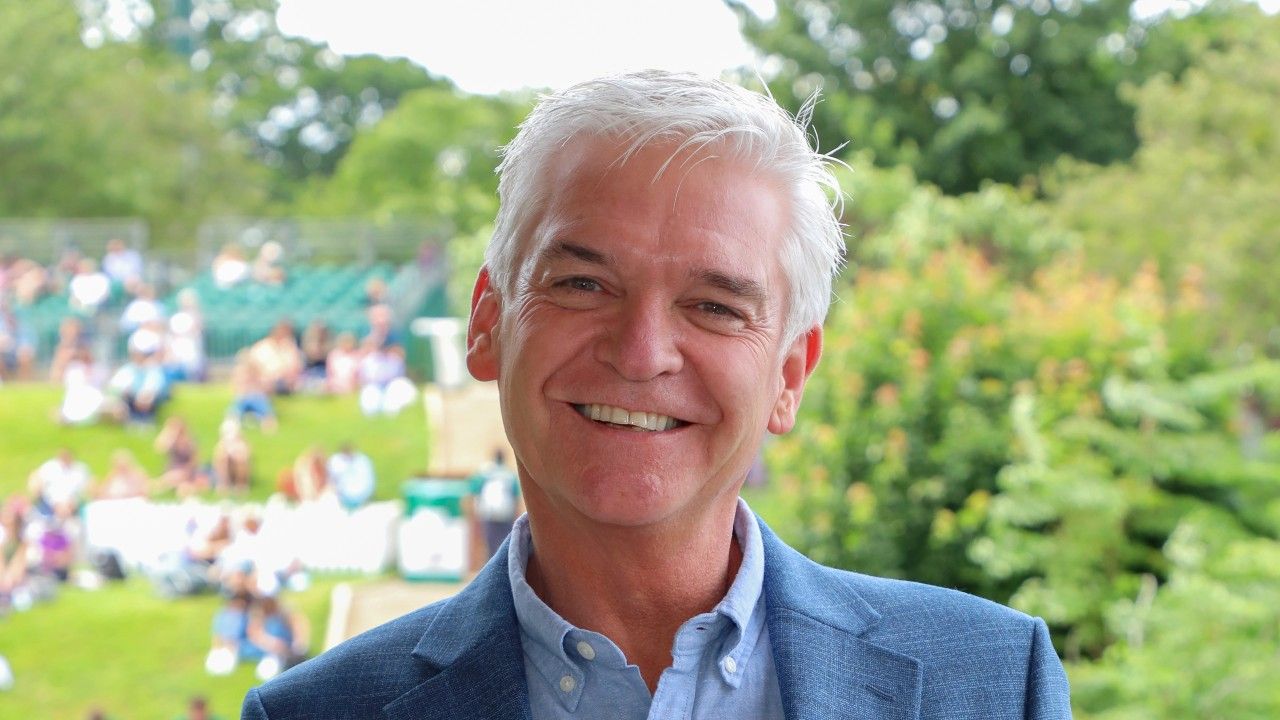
x=486 y=306
x=797 y=366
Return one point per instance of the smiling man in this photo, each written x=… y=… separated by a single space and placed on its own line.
x=650 y=307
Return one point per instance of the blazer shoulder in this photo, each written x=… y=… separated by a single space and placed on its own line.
x=912 y=602
x=855 y=601
x=962 y=637
x=353 y=679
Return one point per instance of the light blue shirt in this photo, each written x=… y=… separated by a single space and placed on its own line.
x=722 y=667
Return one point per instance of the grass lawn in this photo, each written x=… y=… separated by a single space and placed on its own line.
x=29 y=435
x=122 y=648
x=128 y=652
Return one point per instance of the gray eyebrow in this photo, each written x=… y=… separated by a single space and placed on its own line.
x=739 y=287
x=563 y=249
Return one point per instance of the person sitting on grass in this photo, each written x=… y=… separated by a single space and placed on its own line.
x=184 y=343
x=342 y=367
x=126 y=478
x=231 y=643
x=139 y=388
x=232 y=459
x=182 y=468
x=72 y=339
x=55 y=546
x=82 y=396
x=351 y=476
x=278 y=359
x=191 y=570
x=384 y=389
x=307 y=479
x=17 y=344
x=282 y=635
x=59 y=485
x=316 y=343
x=13 y=555
x=250 y=398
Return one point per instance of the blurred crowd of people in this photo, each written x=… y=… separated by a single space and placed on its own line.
x=90 y=285
x=42 y=533
x=164 y=347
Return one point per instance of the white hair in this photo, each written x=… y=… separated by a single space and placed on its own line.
x=690 y=113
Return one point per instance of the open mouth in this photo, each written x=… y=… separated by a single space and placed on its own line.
x=632 y=419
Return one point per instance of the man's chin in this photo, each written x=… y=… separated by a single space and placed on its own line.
x=622 y=500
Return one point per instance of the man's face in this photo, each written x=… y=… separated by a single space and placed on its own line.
x=643 y=302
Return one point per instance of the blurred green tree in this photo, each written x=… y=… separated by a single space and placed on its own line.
x=431 y=158
x=964 y=91
x=1021 y=429
x=1200 y=194
x=298 y=103
x=102 y=132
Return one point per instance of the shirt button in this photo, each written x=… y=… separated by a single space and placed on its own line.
x=567 y=683
x=586 y=651
x=730 y=665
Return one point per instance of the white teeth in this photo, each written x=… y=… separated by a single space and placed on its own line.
x=620 y=416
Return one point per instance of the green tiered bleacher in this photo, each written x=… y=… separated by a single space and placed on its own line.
x=238 y=316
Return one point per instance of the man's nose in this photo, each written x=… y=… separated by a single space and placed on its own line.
x=641 y=342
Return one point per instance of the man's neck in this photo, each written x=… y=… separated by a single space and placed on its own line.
x=636 y=586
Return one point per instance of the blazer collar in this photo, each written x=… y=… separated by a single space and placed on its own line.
x=818 y=627
x=472 y=653
x=818 y=630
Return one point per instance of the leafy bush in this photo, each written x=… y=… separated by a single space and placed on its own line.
x=1044 y=443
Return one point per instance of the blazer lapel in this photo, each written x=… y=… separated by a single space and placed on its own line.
x=472 y=653
x=826 y=668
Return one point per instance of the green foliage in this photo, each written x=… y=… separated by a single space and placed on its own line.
x=297 y=103
x=1199 y=196
x=106 y=132
x=896 y=221
x=961 y=91
x=431 y=158
x=1038 y=437
x=1201 y=647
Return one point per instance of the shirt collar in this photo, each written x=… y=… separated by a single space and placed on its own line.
x=546 y=635
x=744 y=603
x=542 y=630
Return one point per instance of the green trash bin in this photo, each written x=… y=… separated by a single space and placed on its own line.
x=432 y=538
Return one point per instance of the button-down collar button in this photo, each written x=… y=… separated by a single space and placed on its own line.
x=730 y=665
x=586 y=651
x=567 y=683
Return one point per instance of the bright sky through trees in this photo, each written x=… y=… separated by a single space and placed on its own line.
x=491 y=45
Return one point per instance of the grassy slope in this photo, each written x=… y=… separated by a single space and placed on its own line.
x=126 y=651
x=122 y=648
x=29 y=436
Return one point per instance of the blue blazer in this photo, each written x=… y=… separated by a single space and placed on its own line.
x=845 y=646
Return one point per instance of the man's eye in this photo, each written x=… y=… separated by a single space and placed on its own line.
x=718 y=310
x=581 y=284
